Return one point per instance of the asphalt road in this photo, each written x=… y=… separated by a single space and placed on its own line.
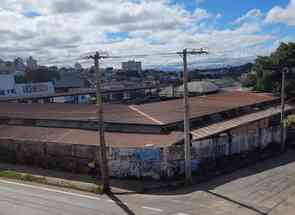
x=265 y=189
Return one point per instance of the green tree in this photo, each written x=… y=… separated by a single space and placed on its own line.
x=249 y=80
x=290 y=123
x=269 y=69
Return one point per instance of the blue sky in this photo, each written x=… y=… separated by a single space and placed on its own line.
x=60 y=31
x=232 y=9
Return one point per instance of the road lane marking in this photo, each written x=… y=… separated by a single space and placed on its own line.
x=177 y=201
x=111 y=201
x=152 y=209
x=181 y=214
x=50 y=190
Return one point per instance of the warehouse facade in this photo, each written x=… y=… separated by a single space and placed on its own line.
x=147 y=141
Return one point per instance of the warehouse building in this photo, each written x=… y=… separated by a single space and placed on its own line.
x=143 y=140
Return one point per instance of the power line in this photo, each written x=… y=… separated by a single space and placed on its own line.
x=106 y=55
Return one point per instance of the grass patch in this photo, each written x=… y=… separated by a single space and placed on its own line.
x=98 y=190
x=24 y=177
x=10 y=174
x=42 y=180
x=32 y=178
x=66 y=184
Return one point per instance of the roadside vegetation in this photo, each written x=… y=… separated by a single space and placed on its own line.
x=266 y=75
x=9 y=174
x=291 y=122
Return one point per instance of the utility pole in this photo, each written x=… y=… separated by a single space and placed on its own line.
x=187 y=139
x=99 y=103
x=283 y=130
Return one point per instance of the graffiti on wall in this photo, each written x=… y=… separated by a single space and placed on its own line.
x=136 y=162
x=152 y=162
x=137 y=154
x=148 y=155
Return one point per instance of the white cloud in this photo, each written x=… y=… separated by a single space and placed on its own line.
x=201 y=14
x=69 y=6
x=282 y=15
x=251 y=15
x=66 y=30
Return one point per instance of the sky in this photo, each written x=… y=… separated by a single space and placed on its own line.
x=60 y=32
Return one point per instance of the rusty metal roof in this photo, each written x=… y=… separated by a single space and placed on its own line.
x=172 y=111
x=129 y=140
x=159 y=113
x=225 y=126
x=112 y=112
x=79 y=92
x=84 y=137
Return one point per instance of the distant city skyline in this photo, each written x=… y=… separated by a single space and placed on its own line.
x=59 y=32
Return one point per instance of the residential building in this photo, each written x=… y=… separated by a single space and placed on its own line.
x=32 y=63
x=8 y=88
x=34 y=89
x=19 y=64
x=7 y=67
x=68 y=81
x=135 y=66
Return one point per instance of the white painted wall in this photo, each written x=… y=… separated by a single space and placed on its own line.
x=35 y=89
x=7 y=85
x=9 y=88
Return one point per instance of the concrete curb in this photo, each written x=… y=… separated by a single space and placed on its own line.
x=58 y=182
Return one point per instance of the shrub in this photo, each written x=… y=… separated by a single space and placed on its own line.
x=290 y=121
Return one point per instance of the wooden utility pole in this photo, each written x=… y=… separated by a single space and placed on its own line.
x=187 y=135
x=283 y=130
x=99 y=103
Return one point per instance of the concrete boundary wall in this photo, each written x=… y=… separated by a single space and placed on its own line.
x=127 y=162
x=154 y=162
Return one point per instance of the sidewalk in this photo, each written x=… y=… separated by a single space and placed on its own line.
x=79 y=181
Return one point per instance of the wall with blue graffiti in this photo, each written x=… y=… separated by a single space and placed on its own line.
x=137 y=163
x=154 y=163
x=168 y=162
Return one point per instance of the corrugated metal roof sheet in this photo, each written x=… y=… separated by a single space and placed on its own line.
x=172 y=111
x=84 y=137
x=150 y=114
x=222 y=127
x=201 y=87
x=128 y=140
